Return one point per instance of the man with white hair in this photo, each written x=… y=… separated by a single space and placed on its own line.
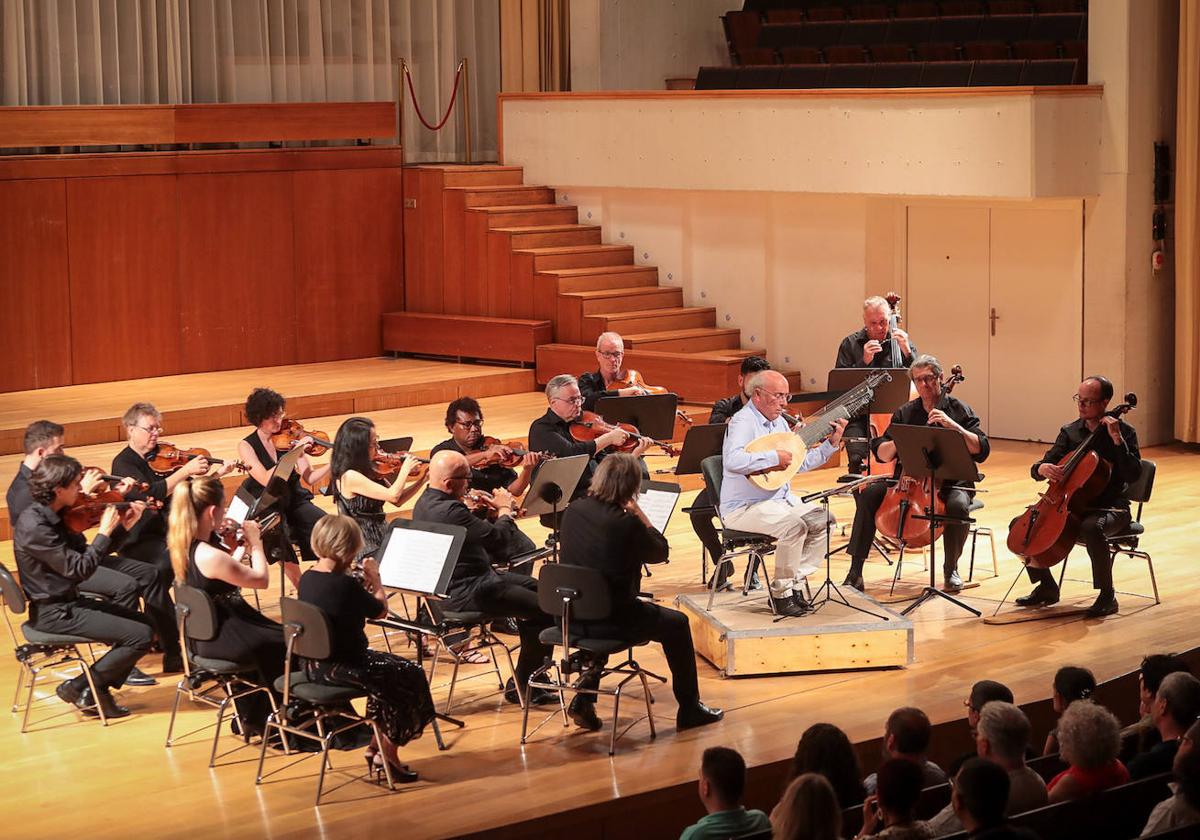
x=1175 y=707
x=799 y=528
x=610 y=357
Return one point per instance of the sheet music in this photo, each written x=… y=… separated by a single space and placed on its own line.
x=658 y=505
x=414 y=560
x=237 y=510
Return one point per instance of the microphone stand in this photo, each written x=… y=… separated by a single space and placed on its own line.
x=829 y=589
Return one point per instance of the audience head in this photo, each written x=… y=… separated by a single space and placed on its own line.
x=337 y=538
x=1003 y=734
x=722 y=779
x=450 y=473
x=55 y=481
x=197 y=505
x=42 y=438
x=907 y=733
x=898 y=785
x=768 y=390
x=983 y=692
x=265 y=408
x=825 y=749
x=143 y=425
x=464 y=422
x=980 y=794
x=1187 y=774
x=1089 y=736
x=808 y=810
x=617 y=480
x=562 y=392
x=353 y=447
x=1072 y=683
x=1188 y=742
x=1150 y=675
x=1176 y=704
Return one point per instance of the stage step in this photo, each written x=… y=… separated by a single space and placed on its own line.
x=532 y=214
x=547 y=236
x=685 y=341
x=464 y=336
x=730 y=353
x=545 y=286
x=505 y=195
x=695 y=378
x=460 y=175
x=573 y=306
x=579 y=256
x=641 y=320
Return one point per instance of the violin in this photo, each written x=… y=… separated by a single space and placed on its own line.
x=911 y=497
x=1049 y=528
x=137 y=486
x=479 y=500
x=590 y=426
x=87 y=510
x=516 y=455
x=232 y=537
x=389 y=463
x=291 y=432
x=168 y=458
x=633 y=379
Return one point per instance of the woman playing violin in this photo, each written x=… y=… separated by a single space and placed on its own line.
x=266 y=410
x=610 y=354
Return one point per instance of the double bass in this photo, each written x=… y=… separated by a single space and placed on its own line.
x=910 y=498
x=1048 y=529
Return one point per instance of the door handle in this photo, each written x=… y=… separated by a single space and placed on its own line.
x=993 y=317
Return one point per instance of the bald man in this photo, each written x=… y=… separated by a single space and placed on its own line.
x=475 y=586
x=799 y=528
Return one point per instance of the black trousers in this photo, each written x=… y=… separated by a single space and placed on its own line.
x=515 y=595
x=301 y=519
x=645 y=622
x=114 y=586
x=858 y=451
x=149 y=563
x=867 y=502
x=1094 y=531
x=702 y=524
x=127 y=631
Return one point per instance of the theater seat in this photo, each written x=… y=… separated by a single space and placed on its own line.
x=1054 y=71
x=716 y=78
x=801 y=76
x=996 y=73
x=946 y=74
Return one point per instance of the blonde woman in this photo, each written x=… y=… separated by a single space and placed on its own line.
x=398 y=698
x=808 y=810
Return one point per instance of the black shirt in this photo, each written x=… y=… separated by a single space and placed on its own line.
x=347 y=605
x=1158 y=759
x=550 y=433
x=18 y=498
x=152 y=527
x=722 y=410
x=295 y=494
x=913 y=413
x=850 y=353
x=591 y=387
x=488 y=479
x=602 y=536
x=51 y=558
x=485 y=543
x=1126 y=459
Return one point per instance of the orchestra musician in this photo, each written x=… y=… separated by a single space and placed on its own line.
x=925 y=410
x=871 y=347
x=1109 y=513
x=800 y=529
x=610 y=356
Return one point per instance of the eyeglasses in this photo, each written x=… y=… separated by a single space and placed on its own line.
x=573 y=400
x=775 y=395
x=612 y=354
x=469 y=424
x=466 y=477
x=1084 y=401
x=150 y=429
x=925 y=380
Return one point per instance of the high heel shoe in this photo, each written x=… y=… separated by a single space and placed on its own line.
x=401 y=773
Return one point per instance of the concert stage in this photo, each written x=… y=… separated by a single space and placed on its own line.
x=563 y=782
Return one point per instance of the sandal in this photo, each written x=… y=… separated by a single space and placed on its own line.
x=471 y=656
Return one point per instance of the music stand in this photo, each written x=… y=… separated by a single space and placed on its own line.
x=829 y=588
x=553 y=481
x=394 y=446
x=939 y=455
x=276 y=489
x=657 y=499
x=653 y=414
x=698 y=444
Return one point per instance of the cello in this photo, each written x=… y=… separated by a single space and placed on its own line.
x=910 y=498
x=1047 y=531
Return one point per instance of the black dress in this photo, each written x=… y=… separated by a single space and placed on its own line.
x=398 y=697
x=300 y=515
x=368 y=513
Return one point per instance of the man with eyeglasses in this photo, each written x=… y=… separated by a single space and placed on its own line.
x=799 y=528
x=926 y=410
x=610 y=356
x=1109 y=513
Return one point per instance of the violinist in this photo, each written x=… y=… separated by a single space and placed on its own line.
x=872 y=347
x=53 y=560
x=1109 y=512
x=266 y=409
x=610 y=355
x=933 y=409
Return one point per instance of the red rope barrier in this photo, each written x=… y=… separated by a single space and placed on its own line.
x=417 y=108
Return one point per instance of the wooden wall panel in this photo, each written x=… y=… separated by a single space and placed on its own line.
x=123 y=246
x=237 y=289
x=423 y=246
x=35 y=326
x=348 y=260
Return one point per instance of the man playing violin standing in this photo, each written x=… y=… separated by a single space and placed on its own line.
x=930 y=408
x=610 y=355
x=871 y=347
x=800 y=529
x=1110 y=509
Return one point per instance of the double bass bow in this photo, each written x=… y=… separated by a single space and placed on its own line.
x=1048 y=529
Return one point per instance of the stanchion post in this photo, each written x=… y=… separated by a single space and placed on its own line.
x=400 y=108
x=466 y=81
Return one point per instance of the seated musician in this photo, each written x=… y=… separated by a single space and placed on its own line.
x=800 y=529
x=475 y=586
x=53 y=560
x=722 y=410
x=1109 y=513
x=926 y=410
x=266 y=410
x=871 y=347
x=118 y=578
x=607 y=531
x=610 y=354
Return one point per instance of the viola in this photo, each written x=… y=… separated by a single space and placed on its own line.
x=590 y=426
x=633 y=379
x=292 y=432
x=516 y=455
x=479 y=500
x=912 y=497
x=87 y=510
x=168 y=458
x=1049 y=528
x=232 y=537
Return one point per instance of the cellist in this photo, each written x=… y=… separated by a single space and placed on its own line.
x=1109 y=513
x=932 y=409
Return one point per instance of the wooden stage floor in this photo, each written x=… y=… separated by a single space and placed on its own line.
x=65 y=769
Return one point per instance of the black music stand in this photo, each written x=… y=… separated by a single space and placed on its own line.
x=277 y=489
x=653 y=414
x=938 y=455
x=394 y=446
x=698 y=444
x=554 y=481
x=829 y=588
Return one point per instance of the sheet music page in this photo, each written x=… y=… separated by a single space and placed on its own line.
x=658 y=505
x=414 y=560
x=237 y=510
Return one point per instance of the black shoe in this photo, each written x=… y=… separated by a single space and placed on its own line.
x=695 y=715
x=787 y=605
x=112 y=709
x=583 y=711
x=1106 y=604
x=1043 y=595
x=80 y=698
x=138 y=677
x=507 y=626
x=172 y=663
x=854 y=582
x=540 y=696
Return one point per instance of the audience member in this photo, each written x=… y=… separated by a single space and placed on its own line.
x=981 y=794
x=984 y=691
x=808 y=810
x=906 y=736
x=1176 y=706
x=722 y=783
x=1182 y=808
x=1141 y=736
x=1071 y=683
x=825 y=749
x=1090 y=738
x=890 y=814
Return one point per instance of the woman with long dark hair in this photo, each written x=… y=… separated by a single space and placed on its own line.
x=825 y=749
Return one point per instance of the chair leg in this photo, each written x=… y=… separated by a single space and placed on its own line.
x=262 y=750
x=612 y=742
x=971 y=568
x=649 y=705
x=212 y=756
x=991 y=535
x=91 y=681
x=28 y=700
x=454 y=683
x=1153 y=580
x=899 y=567
x=174 y=711
x=16 y=703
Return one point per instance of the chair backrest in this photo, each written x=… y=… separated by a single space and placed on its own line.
x=584 y=589
x=307 y=628
x=197 y=613
x=1140 y=490
x=712 y=468
x=1117 y=812
x=14 y=598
